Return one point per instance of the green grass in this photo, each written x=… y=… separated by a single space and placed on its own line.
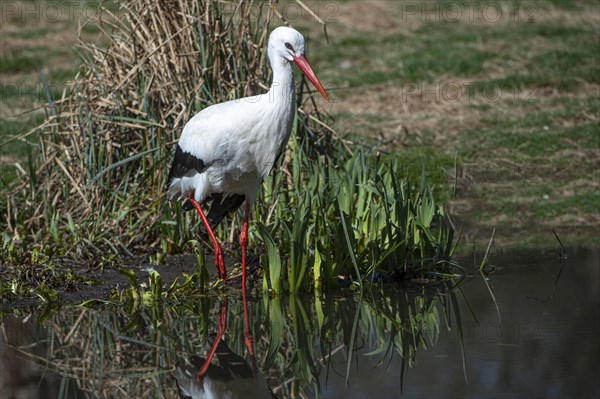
x=361 y=217
x=570 y=5
x=581 y=202
x=14 y=127
x=31 y=59
x=21 y=62
x=462 y=50
x=386 y=58
x=32 y=33
x=535 y=135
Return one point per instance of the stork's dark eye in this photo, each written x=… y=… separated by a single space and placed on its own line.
x=289 y=46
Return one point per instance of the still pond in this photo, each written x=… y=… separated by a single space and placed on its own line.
x=535 y=334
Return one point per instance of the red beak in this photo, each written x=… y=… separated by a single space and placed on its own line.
x=307 y=70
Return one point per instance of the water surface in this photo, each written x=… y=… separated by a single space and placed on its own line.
x=539 y=339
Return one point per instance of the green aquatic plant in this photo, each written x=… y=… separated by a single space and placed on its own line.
x=357 y=219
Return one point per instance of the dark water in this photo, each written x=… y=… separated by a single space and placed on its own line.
x=545 y=345
x=542 y=340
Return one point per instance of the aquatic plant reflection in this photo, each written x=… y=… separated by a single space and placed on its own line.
x=302 y=342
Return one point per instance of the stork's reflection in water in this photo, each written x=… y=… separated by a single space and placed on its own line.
x=233 y=377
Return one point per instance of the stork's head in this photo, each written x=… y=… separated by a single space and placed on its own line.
x=288 y=44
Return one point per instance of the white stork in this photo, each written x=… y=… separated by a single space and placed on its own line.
x=228 y=149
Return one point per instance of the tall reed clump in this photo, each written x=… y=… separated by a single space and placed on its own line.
x=97 y=187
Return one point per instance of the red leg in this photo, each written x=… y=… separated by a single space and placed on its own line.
x=244 y=244
x=220 y=262
x=213 y=349
x=247 y=333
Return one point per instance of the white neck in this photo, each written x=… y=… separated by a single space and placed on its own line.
x=283 y=86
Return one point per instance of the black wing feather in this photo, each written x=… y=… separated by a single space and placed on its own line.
x=184 y=164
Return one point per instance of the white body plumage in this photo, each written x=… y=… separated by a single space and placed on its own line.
x=239 y=141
